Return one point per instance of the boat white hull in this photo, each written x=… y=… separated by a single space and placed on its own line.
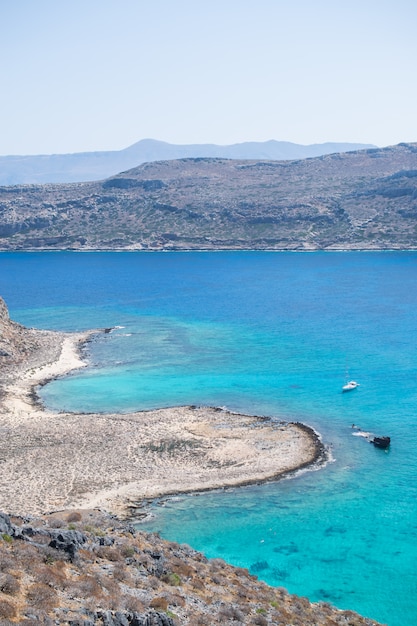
x=350 y=386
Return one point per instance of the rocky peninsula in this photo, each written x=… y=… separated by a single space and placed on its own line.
x=57 y=460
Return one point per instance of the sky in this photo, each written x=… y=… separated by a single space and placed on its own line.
x=92 y=75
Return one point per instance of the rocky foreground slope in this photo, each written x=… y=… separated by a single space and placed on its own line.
x=84 y=568
x=355 y=200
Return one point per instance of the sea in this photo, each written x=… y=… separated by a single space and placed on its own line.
x=263 y=333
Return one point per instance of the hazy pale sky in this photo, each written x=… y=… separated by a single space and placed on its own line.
x=84 y=75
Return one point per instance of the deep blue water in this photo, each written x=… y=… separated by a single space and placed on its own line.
x=264 y=333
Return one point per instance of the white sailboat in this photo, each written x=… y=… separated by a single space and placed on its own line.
x=350 y=385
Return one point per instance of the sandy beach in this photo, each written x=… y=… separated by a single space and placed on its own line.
x=51 y=460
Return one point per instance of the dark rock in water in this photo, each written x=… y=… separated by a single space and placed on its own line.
x=259 y=566
x=381 y=442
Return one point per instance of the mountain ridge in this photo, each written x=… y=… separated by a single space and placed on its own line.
x=364 y=199
x=90 y=166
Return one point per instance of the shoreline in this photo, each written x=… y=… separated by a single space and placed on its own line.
x=117 y=462
x=204 y=250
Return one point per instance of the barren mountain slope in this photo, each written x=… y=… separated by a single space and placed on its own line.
x=364 y=199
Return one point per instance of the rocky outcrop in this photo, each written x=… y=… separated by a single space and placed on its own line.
x=119 y=618
x=12 y=337
x=22 y=346
x=6 y=525
x=15 y=340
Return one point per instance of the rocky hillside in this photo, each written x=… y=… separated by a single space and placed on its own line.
x=354 y=200
x=84 y=568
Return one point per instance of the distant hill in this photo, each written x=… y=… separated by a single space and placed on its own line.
x=365 y=199
x=88 y=166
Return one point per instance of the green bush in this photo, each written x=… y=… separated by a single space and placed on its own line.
x=171 y=579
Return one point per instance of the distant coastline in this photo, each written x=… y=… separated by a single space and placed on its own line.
x=356 y=200
x=208 y=251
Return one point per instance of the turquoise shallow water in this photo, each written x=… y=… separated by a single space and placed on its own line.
x=263 y=333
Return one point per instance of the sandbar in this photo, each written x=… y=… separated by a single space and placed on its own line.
x=52 y=460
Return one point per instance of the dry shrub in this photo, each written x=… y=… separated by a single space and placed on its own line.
x=9 y=584
x=7 y=610
x=242 y=571
x=6 y=558
x=42 y=597
x=230 y=613
x=245 y=608
x=217 y=580
x=74 y=516
x=202 y=620
x=282 y=593
x=121 y=574
x=127 y=550
x=108 y=553
x=133 y=604
x=53 y=575
x=285 y=616
x=88 y=586
x=152 y=582
x=171 y=578
x=259 y=620
x=217 y=564
x=50 y=555
x=174 y=599
x=85 y=555
x=242 y=593
x=146 y=562
x=159 y=603
x=110 y=585
x=56 y=522
x=198 y=584
x=26 y=556
x=184 y=570
x=114 y=600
